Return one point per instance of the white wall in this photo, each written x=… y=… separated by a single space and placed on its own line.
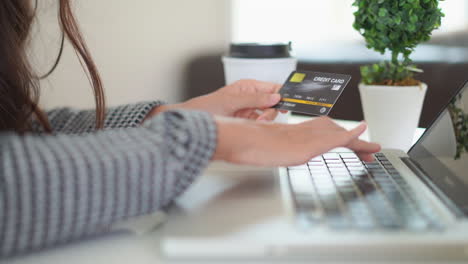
x=141 y=47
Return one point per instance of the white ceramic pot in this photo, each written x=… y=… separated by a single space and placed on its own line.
x=392 y=113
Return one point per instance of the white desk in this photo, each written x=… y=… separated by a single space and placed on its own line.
x=126 y=247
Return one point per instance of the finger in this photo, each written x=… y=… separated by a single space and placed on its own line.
x=277 y=87
x=244 y=113
x=358 y=145
x=344 y=137
x=268 y=115
x=284 y=111
x=260 y=86
x=358 y=131
x=268 y=87
x=365 y=157
x=253 y=116
x=258 y=100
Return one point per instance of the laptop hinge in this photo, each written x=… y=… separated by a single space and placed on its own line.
x=437 y=191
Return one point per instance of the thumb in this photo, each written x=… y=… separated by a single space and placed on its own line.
x=259 y=100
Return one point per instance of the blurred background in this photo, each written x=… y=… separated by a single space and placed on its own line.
x=170 y=50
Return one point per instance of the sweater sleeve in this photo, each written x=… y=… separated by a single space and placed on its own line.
x=73 y=121
x=60 y=188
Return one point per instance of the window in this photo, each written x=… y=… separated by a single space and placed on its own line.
x=312 y=22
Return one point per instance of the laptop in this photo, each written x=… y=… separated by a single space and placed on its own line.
x=401 y=207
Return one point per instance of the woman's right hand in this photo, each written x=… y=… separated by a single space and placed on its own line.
x=270 y=144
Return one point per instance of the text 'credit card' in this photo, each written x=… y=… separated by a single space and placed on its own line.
x=312 y=93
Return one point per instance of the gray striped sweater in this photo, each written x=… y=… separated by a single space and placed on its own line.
x=77 y=182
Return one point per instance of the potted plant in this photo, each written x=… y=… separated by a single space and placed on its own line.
x=391 y=98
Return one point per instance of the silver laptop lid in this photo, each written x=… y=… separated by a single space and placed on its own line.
x=442 y=152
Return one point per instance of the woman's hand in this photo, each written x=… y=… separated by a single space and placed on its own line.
x=268 y=144
x=240 y=99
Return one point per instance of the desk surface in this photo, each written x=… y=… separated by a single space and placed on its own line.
x=126 y=247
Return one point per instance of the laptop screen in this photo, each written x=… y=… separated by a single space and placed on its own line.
x=442 y=152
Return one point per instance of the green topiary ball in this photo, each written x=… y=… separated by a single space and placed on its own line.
x=396 y=25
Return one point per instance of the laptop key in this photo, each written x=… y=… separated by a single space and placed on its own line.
x=316 y=168
x=334 y=215
x=381 y=158
x=340 y=174
x=305 y=195
x=348 y=155
x=302 y=184
x=328 y=161
x=348 y=194
x=309 y=208
x=300 y=167
x=385 y=218
x=330 y=204
x=316 y=163
x=336 y=166
x=373 y=166
x=362 y=218
x=319 y=158
x=358 y=173
x=352 y=160
x=338 y=221
x=294 y=173
x=319 y=172
x=379 y=175
x=331 y=156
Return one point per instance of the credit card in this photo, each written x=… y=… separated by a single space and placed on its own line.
x=312 y=93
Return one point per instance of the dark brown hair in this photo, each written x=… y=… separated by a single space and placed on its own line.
x=19 y=86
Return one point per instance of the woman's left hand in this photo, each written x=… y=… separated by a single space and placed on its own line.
x=241 y=99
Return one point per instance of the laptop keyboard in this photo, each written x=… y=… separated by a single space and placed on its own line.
x=342 y=191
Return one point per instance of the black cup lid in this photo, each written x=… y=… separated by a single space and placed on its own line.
x=260 y=51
